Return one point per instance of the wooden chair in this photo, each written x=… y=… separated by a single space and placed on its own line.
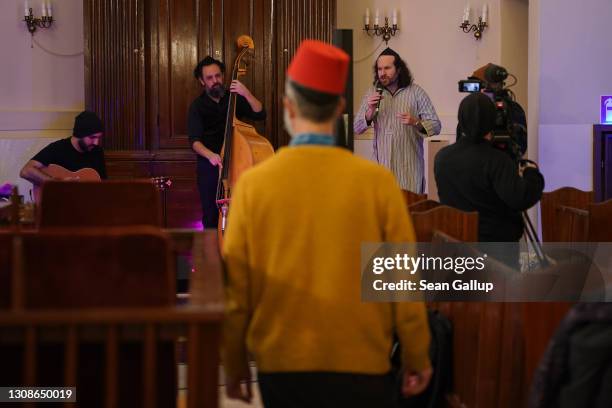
x=422 y=206
x=567 y=196
x=102 y=204
x=104 y=318
x=412 y=198
x=456 y=223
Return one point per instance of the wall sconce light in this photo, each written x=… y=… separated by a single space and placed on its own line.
x=385 y=31
x=45 y=21
x=480 y=26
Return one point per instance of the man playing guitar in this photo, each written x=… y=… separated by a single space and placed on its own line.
x=59 y=159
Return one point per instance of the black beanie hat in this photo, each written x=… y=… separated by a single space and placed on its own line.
x=86 y=124
x=476 y=116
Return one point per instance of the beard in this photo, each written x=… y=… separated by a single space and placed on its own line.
x=389 y=81
x=287 y=122
x=84 y=146
x=217 y=91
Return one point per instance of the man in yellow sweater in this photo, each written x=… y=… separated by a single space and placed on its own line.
x=292 y=251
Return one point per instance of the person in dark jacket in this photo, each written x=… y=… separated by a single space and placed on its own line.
x=576 y=370
x=472 y=175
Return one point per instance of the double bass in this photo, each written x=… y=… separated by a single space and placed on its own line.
x=243 y=147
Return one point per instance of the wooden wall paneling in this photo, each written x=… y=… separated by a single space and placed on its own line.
x=126 y=165
x=183 y=57
x=114 y=61
x=139 y=59
x=204 y=16
x=298 y=20
x=217 y=30
x=88 y=65
x=265 y=83
x=179 y=35
x=152 y=56
x=242 y=17
x=140 y=44
x=123 y=169
x=237 y=21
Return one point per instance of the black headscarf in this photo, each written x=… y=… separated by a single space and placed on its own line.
x=476 y=116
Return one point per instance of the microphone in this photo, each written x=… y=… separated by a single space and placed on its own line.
x=379 y=89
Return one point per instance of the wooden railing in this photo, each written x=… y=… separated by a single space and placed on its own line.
x=147 y=327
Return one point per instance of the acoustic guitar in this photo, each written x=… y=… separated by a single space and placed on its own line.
x=61 y=173
x=87 y=174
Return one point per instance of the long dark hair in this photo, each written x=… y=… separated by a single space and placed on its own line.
x=405 y=76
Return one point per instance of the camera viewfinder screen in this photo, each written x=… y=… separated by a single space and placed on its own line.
x=471 y=86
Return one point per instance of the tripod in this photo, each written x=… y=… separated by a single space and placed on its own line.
x=532 y=238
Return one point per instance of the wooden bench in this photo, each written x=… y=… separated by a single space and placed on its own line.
x=549 y=206
x=102 y=204
x=412 y=198
x=423 y=205
x=96 y=308
x=451 y=221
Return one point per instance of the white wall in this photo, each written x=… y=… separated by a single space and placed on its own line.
x=41 y=90
x=575 y=68
x=514 y=45
x=431 y=43
x=436 y=50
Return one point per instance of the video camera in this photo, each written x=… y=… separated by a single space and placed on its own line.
x=510 y=131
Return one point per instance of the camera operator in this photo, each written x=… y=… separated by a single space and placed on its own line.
x=511 y=119
x=473 y=175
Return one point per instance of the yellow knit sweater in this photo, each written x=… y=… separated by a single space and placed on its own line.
x=292 y=251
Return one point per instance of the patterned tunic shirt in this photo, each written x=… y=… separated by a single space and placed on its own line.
x=397 y=146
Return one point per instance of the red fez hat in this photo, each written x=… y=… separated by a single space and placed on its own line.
x=320 y=67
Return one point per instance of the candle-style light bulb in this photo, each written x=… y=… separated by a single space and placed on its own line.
x=26 y=6
x=367 y=17
x=43 y=9
x=376 y=17
x=485 y=12
x=394 y=17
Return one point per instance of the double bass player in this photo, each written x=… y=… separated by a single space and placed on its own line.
x=206 y=128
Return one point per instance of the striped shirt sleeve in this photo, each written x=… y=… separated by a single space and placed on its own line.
x=360 y=123
x=426 y=112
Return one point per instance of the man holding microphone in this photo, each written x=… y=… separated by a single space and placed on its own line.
x=402 y=115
